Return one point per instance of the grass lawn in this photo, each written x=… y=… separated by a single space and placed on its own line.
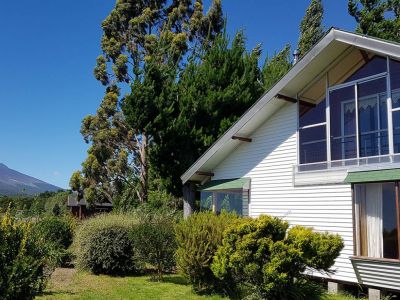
x=70 y=284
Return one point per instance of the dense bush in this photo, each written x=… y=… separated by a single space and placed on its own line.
x=261 y=253
x=21 y=260
x=55 y=236
x=103 y=245
x=198 y=238
x=57 y=230
x=154 y=241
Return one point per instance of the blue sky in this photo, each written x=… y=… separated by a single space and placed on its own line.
x=47 y=53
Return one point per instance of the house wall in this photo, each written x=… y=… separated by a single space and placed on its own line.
x=268 y=160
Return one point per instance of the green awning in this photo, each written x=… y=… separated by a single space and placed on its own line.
x=373 y=176
x=226 y=184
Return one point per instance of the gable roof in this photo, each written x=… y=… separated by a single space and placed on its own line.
x=335 y=44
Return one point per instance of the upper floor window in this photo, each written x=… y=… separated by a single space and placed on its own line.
x=357 y=110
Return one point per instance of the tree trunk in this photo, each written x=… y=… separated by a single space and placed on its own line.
x=144 y=169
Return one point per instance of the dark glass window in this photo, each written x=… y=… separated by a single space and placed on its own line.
x=233 y=200
x=375 y=66
x=311 y=113
x=395 y=82
x=389 y=220
x=372 y=118
x=230 y=202
x=343 y=123
x=312 y=134
x=313 y=144
x=206 y=199
x=396 y=131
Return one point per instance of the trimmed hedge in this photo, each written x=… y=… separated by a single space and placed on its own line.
x=198 y=238
x=103 y=244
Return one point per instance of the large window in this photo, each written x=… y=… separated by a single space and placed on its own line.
x=358 y=124
x=376 y=211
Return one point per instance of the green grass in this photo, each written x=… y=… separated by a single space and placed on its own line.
x=70 y=284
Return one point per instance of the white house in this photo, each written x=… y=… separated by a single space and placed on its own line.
x=322 y=149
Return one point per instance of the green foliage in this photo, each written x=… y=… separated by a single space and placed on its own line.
x=276 y=67
x=55 y=236
x=219 y=83
x=311 y=28
x=198 y=238
x=154 y=242
x=143 y=45
x=103 y=245
x=378 y=18
x=33 y=206
x=261 y=253
x=56 y=230
x=21 y=260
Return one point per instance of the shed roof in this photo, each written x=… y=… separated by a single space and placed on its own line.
x=373 y=176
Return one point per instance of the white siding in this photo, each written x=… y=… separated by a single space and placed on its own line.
x=268 y=160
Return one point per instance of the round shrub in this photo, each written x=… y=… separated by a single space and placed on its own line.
x=198 y=238
x=154 y=241
x=261 y=254
x=103 y=245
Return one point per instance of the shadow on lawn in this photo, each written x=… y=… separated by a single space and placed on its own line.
x=55 y=293
x=175 y=279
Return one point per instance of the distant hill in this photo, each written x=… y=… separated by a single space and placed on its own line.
x=15 y=183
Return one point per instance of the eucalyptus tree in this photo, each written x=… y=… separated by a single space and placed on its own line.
x=144 y=44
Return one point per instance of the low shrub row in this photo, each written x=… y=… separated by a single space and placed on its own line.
x=254 y=258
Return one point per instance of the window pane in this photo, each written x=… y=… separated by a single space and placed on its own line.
x=375 y=66
x=396 y=131
x=343 y=123
x=310 y=114
x=231 y=202
x=312 y=144
x=395 y=82
x=372 y=116
x=389 y=220
x=206 y=200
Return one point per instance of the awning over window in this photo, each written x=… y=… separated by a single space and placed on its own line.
x=226 y=184
x=373 y=176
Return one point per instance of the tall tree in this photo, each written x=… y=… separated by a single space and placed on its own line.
x=217 y=86
x=311 y=28
x=378 y=18
x=111 y=156
x=143 y=44
x=276 y=67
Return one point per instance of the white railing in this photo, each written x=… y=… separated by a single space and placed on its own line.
x=386 y=160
